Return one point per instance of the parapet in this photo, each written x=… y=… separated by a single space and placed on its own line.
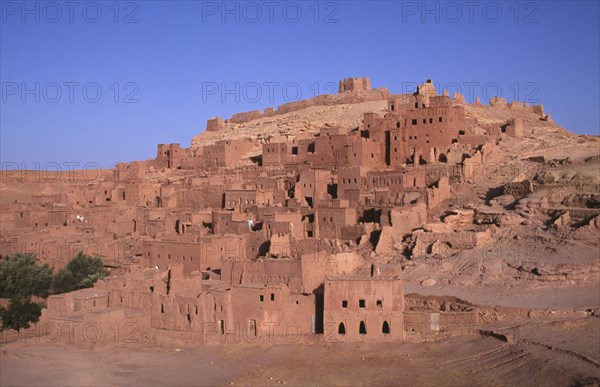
x=459 y=99
x=239 y=118
x=516 y=105
x=514 y=127
x=539 y=110
x=477 y=102
x=215 y=124
x=321 y=100
x=427 y=89
x=440 y=101
x=354 y=84
x=498 y=102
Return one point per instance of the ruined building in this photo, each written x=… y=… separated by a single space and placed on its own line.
x=265 y=237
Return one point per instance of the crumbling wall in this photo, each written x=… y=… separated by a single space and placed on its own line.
x=318 y=265
x=363 y=309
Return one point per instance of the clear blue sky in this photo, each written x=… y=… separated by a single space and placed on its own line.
x=163 y=68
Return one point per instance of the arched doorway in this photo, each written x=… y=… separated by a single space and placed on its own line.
x=363 y=328
x=342 y=329
x=385 y=329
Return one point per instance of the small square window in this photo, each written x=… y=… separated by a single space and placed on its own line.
x=379 y=304
x=262 y=298
x=345 y=304
x=361 y=303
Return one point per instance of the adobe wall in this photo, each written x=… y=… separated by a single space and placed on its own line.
x=354 y=84
x=514 y=127
x=230 y=222
x=78 y=301
x=438 y=193
x=329 y=221
x=275 y=153
x=245 y=116
x=165 y=253
x=281 y=224
x=243 y=313
x=406 y=218
x=268 y=183
x=97 y=329
x=217 y=249
x=83 y=318
x=364 y=309
x=247 y=198
x=225 y=153
x=269 y=271
x=56 y=246
x=215 y=124
x=129 y=172
x=311 y=199
x=350 y=180
x=312 y=184
x=427 y=326
x=207 y=254
x=439 y=241
x=170 y=156
x=210 y=196
x=287 y=313
x=357 y=90
x=539 y=110
x=320 y=264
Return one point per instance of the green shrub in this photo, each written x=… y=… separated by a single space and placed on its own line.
x=81 y=272
x=20 y=313
x=20 y=276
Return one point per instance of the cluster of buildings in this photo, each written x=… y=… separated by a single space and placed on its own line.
x=218 y=241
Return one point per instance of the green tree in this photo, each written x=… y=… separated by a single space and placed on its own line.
x=20 y=276
x=63 y=282
x=81 y=272
x=21 y=312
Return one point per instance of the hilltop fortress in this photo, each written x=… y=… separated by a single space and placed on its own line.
x=294 y=232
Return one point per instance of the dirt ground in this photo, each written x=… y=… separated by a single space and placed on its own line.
x=562 y=353
x=577 y=297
